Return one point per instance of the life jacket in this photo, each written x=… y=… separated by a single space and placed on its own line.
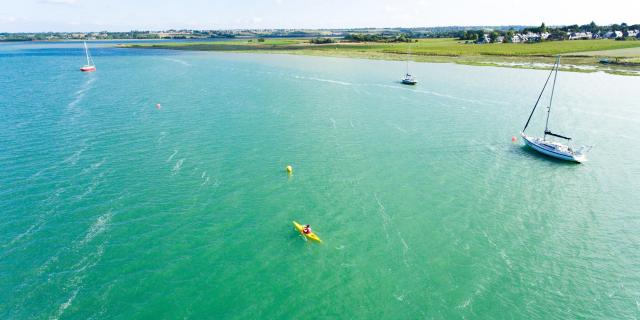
x=306 y=230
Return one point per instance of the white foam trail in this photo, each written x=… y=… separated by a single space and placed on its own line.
x=178 y=166
x=94 y=183
x=405 y=249
x=73 y=159
x=65 y=305
x=324 y=80
x=79 y=273
x=436 y=94
x=161 y=138
x=489 y=239
x=333 y=121
x=383 y=214
x=93 y=167
x=98 y=227
x=81 y=93
x=465 y=304
x=401 y=129
x=404 y=244
x=172 y=155
x=351 y=123
x=182 y=62
x=36 y=226
x=55 y=195
x=204 y=173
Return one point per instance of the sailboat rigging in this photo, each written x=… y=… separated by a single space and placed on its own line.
x=89 y=67
x=408 y=78
x=548 y=147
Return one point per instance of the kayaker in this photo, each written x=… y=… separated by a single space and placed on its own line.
x=306 y=229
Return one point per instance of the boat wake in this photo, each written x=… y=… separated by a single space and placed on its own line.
x=324 y=80
x=333 y=122
x=77 y=98
x=172 y=155
x=163 y=135
x=383 y=214
x=182 y=62
x=177 y=166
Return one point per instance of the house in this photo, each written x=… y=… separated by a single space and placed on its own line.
x=631 y=33
x=485 y=39
x=579 y=35
x=613 y=34
x=499 y=39
x=532 y=37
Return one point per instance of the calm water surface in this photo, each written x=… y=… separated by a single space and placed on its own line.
x=111 y=208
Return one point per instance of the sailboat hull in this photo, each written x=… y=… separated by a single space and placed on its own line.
x=88 y=69
x=552 y=150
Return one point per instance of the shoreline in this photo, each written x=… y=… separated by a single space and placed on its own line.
x=578 y=61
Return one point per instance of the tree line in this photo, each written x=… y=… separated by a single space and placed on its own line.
x=377 y=37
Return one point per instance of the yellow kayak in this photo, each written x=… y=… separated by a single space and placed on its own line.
x=311 y=235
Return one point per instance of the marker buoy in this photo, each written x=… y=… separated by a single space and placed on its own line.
x=158 y=106
x=289 y=169
x=514 y=139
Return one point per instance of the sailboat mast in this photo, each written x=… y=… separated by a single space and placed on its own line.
x=537 y=101
x=553 y=88
x=86 y=52
x=408 y=55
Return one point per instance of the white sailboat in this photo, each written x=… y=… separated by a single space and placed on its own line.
x=408 y=78
x=89 y=67
x=552 y=148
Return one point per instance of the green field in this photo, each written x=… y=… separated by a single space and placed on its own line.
x=522 y=55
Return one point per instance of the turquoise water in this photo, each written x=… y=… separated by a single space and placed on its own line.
x=114 y=209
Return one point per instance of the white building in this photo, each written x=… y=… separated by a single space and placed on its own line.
x=632 y=33
x=613 y=34
x=579 y=35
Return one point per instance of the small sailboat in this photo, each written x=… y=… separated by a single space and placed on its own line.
x=552 y=148
x=408 y=78
x=89 y=67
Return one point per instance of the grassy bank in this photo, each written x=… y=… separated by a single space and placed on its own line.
x=577 y=55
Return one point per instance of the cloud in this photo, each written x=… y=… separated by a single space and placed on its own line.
x=63 y=2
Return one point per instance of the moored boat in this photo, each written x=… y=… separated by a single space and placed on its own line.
x=408 y=78
x=90 y=66
x=548 y=147
x=553 y=149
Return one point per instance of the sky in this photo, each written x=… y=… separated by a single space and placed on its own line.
x=125 y=15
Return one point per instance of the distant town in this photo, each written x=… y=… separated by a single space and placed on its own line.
x=544 y=33
x=470 y=34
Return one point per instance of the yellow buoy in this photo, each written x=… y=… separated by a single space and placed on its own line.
x=289 y=169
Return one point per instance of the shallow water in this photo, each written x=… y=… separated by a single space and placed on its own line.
x=114 y=208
